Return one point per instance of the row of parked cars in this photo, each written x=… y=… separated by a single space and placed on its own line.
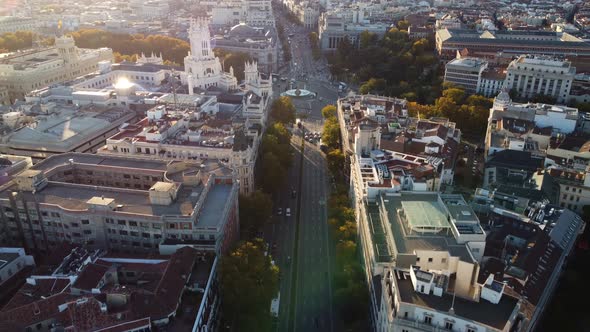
x=312 y=137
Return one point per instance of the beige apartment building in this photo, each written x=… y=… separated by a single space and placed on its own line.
x=22 y=72
x=167 y=134
x=119 y=203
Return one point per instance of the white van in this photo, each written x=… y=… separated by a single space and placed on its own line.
x=288 y=213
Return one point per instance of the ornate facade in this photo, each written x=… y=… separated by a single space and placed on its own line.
x=202 y=69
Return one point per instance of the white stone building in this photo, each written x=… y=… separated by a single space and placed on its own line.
x=12 y=261
x=151 y=9
x=40 y=131
x=166 y=134
x=202 y=69
x=35 y=69
x=260 y=43
x=466 y=73
x=539 y=75
x=257 y=13
x=475 y=75
x=528 y=126
x=124 y=203
x=14 y=24
x=306 y=12
x=258 y=95
x=339 y=23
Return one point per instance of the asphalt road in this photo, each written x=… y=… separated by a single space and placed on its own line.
x=282 y=233
x=303 y=252
x=313 y=296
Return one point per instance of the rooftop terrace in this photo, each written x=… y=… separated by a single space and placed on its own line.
x=483 y=312
x=75 y=197
x=408 y=240
x=80 y=196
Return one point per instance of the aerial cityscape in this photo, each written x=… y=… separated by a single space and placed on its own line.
x=294 y=165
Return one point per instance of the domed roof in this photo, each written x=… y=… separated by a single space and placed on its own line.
x=502 y=99
x=242 y=30
x=503 y=95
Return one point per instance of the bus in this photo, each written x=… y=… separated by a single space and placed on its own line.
x=274 y=305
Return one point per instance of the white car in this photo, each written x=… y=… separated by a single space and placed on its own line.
x=288 y=212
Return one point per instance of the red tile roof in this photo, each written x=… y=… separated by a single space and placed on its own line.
x=84 y=313
x=127 y=326
x=90 y=276
x=43 y=288
x=33 y=313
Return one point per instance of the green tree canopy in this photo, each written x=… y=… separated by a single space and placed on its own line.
x=283 y=110
x=389 y=60
x=374 y=85
x=403 y=25
x=282 y=152
x=454 y=94
x=347 y=231
x=172 y=49
x=331 y=133
x=274 y=172
x=420 y=46
x=329 y=111
x=479 y=101
x=279 y=131
x=335 y=159
x=14 y=41
x=346 y=249
x=248 y=283
x=255 y=210
x=583 y=107
x=367 y=39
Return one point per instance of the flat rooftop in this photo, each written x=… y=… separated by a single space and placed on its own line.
x=75 y=197
x=467 y=62
x=483 y=312
x=407 y=242
x=212 y=211
x=424 y=214
x=100 y=160
x=67 y=127
x=6 y=258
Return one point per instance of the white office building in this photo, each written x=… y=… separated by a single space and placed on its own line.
x=257 y=13
x=466 y=73
x=538 y=75
x=12 y=261
x=14 y=24
x=340 y=23
x=29 y=70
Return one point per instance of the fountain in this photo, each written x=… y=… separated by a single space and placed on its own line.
x=299 y=93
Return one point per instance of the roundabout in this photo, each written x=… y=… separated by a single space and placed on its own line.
x=299 y=93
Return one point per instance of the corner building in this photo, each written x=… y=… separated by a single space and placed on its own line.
x=120 y=204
